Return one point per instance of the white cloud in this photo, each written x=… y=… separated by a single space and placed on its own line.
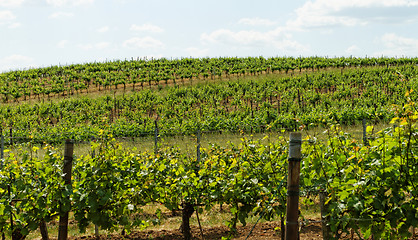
x=96 y=46
x=103 y=29
x=275 y=39
x=11 y=3
x=63 y=43
x=146 y=28
x=145 y=42
x=197 y=52
x=398 y=46
x=102 y=45
x=15 y=25
x=6 y=17
x=227 y=36
x=326 y=13
x=320 y=13
x=352 y=49
x=61 y=15
x=56 y=3
x=64 y=3
x=256 y=22
x=15 y=62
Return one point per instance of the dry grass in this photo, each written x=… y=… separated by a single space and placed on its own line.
x=213 y=218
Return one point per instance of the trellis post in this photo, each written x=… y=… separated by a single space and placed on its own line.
x=68 y=164
x=292 y=208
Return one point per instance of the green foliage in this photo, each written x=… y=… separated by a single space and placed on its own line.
x=271 y=102
x=110 y=185
x=31 y=190
x=370 y=188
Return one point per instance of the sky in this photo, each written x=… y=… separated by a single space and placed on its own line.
x=43 y=33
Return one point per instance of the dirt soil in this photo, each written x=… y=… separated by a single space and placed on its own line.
x=262 y=231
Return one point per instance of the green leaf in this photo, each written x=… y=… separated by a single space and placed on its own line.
x=367 y=233
x=2 y=207
x=369 y=129
x=161 y=168
x=233 y=210
x=268 y=168
x=344 y=194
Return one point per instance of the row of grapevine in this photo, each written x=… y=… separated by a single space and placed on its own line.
x=268 y=103
x=370 y=189
x=111 y=185
x=64 y=80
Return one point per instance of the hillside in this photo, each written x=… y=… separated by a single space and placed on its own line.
x=357 y=189
x=218 y=94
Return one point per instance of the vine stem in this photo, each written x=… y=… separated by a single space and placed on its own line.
x=198 y=221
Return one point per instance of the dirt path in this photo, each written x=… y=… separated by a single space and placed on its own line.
x=262 y=231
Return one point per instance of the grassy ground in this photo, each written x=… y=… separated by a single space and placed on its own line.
x=213 y=218
x=188 y=143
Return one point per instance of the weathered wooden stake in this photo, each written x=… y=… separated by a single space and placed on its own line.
x=11 y=213
x=156 y=137
x=326 y=231
x=11 y=136
x=282 y=228
x=2 y=146
x=68 y=164
x=292 y=208
x=96 y=231
x=198 y=145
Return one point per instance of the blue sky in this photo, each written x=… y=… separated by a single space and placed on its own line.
x=41 y=33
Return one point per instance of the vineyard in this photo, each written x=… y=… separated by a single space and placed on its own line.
x=369 y=189
x=56 y=80
x=253 y=101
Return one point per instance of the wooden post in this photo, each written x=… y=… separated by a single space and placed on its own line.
x=198 y=145
x=282 y=228
x=251 y=104
x=156 y=137
x=96 y=228
x=96 y=231
x=11 y=136
x=292 y=208
x=326 y=231
x=2 y=146
x=9 y=191
x=68 y=164
x=197 y=171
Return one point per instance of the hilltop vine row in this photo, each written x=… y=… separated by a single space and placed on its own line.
x=249 y=105
x=67 y=80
